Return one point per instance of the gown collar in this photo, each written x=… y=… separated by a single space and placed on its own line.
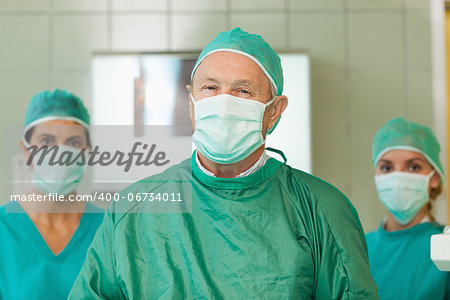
x=264 y=173
x=255 y=167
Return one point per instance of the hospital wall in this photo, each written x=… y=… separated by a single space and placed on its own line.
x=370 y=61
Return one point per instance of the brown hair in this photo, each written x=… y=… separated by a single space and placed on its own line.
x=434 y=193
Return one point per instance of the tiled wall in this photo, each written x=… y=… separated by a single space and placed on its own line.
x=371 y=61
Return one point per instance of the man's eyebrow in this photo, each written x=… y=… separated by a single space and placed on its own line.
x=209 y=79
x=242 y=81
x=237 y=82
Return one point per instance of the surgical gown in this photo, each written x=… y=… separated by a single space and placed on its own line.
x=276 y=234
x=28 y=268
x=401 y=265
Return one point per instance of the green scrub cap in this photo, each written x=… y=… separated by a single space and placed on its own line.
x=399 y=134
x=252 y=46
x=57 y=105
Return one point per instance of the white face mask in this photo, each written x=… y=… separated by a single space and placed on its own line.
x=403 y=194
x=56 y=178
x=227 y=128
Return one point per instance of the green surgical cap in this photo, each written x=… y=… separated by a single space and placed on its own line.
x=399 y=134
x=252 y=46
x=57 y=105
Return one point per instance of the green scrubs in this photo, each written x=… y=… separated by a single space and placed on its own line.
x=28 y=268
x=276 y=234
x=401 y=265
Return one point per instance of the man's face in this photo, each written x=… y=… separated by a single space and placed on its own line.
x=233 y=74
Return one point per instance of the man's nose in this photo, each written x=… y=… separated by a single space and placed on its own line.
x=226 y=90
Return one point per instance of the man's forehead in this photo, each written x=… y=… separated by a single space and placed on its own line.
x=226 y=64
x=232 y=81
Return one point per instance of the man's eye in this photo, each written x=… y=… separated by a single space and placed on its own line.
x=244 y=92
x=211 y=88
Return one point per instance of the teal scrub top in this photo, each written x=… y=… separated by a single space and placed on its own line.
x=401 y=265
x=278 y=233
x=28 y=268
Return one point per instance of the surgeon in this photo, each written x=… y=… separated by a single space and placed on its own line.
x=43 y=244
x=408 y=178
x=259 y=229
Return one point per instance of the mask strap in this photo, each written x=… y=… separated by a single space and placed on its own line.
x=269 y=130
x=270 y=101
x=191 y=98
x=279 y=152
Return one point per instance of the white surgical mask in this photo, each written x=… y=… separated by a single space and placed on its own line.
x=403 y=194
x=227 y=128
x=55 y=178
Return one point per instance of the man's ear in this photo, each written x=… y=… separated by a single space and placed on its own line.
x=191 y=111
x=279 y=105
x=191 y=106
